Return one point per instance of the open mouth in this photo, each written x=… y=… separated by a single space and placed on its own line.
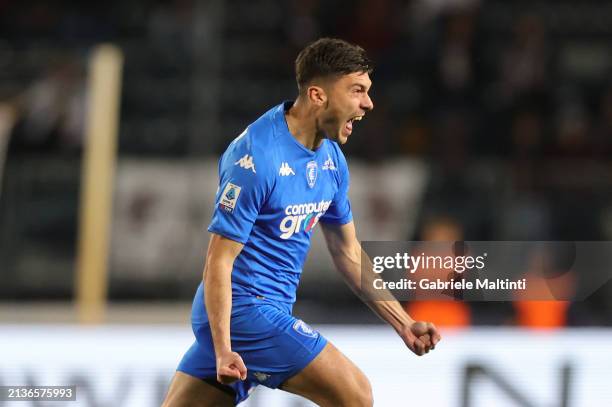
x=349 y=123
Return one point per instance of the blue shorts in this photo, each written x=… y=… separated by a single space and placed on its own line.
x=273 y=344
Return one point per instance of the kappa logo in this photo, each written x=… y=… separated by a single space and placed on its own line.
x=329 y=164
x=285 y=170
x=246 y=162
x=303 y=328
x=311 y=173
x=229 y=197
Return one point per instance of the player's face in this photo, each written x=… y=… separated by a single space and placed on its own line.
x=347 y=102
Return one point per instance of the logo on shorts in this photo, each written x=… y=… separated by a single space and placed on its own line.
x=229 y=197
x=311 y=173
x=261 y=377
x=303 y=328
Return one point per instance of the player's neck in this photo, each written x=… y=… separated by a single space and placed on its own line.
x=302 y=123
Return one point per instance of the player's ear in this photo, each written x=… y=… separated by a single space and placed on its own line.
x=316 y=95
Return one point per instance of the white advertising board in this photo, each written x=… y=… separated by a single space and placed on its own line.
x=131 y=366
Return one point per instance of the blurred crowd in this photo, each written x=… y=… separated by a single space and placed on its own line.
x=509 y=103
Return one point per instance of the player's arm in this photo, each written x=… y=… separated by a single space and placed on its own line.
x=347 y=255
x=218 y=299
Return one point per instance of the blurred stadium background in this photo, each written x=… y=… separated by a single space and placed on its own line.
x=493 y=121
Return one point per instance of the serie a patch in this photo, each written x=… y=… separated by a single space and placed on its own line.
x=229 y=197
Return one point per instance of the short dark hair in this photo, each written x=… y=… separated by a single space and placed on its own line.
x=328 y=57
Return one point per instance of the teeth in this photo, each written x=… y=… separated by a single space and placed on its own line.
x=358 y=118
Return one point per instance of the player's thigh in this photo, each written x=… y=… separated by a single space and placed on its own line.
x=186 y=390
x=331 y=379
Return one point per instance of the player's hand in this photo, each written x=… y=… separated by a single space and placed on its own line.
x=420 y=337
x=230 y=368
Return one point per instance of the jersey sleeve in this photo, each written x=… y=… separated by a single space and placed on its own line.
x=339 y=211
x=243 y=188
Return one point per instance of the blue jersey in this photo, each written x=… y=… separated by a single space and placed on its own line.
x=272 y=193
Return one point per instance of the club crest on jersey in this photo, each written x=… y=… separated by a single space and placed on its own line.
x=311 y=173
x=303 y=328
x=229 y=197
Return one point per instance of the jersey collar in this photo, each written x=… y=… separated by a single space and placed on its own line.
x=282 y=128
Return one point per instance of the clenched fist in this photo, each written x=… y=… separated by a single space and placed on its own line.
x=420 y=337
x=230 y=367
